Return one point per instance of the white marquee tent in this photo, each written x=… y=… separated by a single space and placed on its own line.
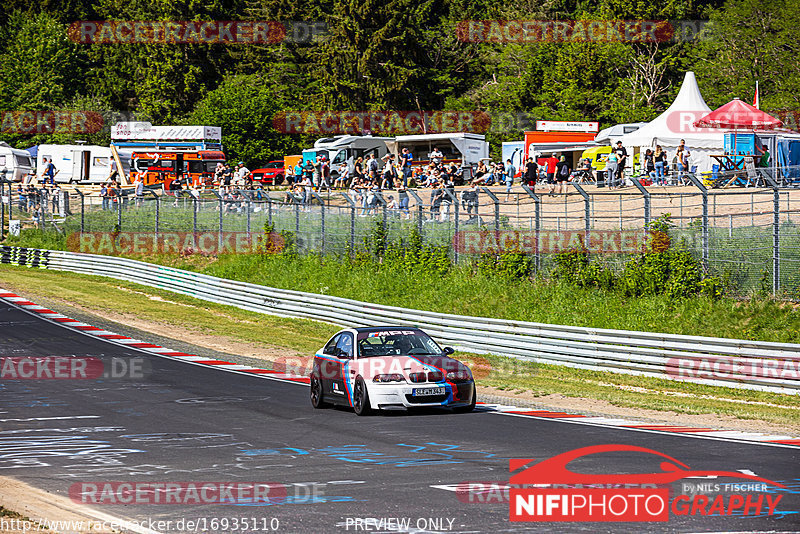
x=676 y=123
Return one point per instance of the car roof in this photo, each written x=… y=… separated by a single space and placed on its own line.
x=382 y=328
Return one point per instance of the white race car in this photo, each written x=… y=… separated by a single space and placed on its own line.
x=389 y=368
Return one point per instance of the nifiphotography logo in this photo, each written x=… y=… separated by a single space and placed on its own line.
x=549 y=491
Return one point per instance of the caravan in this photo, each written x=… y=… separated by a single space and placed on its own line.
x=81 y=163
x=346 y=149
x=15 y=164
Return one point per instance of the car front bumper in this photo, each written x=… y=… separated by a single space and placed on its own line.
x=393 y=396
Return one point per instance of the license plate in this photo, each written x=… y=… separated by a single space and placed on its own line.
x=425 y=392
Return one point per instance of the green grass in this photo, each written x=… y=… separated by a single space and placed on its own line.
x=464 y=293
x=100 y=295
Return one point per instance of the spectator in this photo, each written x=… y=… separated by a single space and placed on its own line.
x=372 y=168
x=317 y=171
x=650 y=165
x=469 y=199
x=436 y=156
x=611 y=169
x=104 y=196
x=227 y=176
x=437 y=195
x=289 y=174
x=358 y=169
x=550 y=165
x=389 y=172
x=242 y=174
x=325 y=174
x=219 y=170
x=139 y=191
x=49 y=172
x=22 y=198
x=298 y=172
x=308 y=188
x=111 y=195
x=764 y=151
x=622 y=160
x=531 y=172
x=660 y=163
x=563 y=171
x=406 y=158
x=402 y=194
x=342 y=176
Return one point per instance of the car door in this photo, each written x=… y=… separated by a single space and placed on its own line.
x=328 y=363
x=341 y=383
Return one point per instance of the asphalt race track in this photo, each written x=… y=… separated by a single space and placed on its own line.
x=187 y=423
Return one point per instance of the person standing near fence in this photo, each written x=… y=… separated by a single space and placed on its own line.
x=611 y=169
x=660 y=158
x=405 y=165
x=139 y=191
x=531 y=172
x=510 y=171
x=622 y=160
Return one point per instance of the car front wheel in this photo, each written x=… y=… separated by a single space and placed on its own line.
x=469 y=407
x=360 y=398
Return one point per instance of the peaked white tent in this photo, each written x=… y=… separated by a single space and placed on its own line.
x=676 y=123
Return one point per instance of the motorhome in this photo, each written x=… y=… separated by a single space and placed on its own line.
x=15 y=164
x=87 y=164
x=346 y=149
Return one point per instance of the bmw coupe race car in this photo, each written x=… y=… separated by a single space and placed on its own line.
x=389 y=368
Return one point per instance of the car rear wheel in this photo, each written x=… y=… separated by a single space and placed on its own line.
x=360 y=398
x=316 y=394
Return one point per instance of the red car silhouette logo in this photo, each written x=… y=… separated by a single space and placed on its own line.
x=554 y=470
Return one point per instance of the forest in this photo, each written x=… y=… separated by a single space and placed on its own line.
x=380 y=55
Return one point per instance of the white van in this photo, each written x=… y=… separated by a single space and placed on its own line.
x=81 y=163
x=15 y=164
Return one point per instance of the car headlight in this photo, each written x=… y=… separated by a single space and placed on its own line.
x=459 y=375
x=389 y=378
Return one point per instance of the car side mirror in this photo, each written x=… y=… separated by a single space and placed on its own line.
x=448 y=351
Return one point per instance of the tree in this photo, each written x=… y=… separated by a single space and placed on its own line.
x=244 y=106
x=751 y=40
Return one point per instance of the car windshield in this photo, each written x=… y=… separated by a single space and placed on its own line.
x=274 y=165
x=396 y=343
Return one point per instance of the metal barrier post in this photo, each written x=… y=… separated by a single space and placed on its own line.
x=352 y=219
x=158 y=217
x=703 y=191
x=83 y=210
x=322 y=216
x=537 y=228
x=646 y=194
x=419 y=209
x=219 y=228
x=119 y=212
x=496 y=208
x=453 y=197
x=587 y=214
x=776 y=233
x=194 y=213
x=3 y=208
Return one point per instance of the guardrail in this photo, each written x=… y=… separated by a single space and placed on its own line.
x=714 y=361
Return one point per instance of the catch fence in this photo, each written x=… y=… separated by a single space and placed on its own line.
x=748 y=234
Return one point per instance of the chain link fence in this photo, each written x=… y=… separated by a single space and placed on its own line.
x=748 y=234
